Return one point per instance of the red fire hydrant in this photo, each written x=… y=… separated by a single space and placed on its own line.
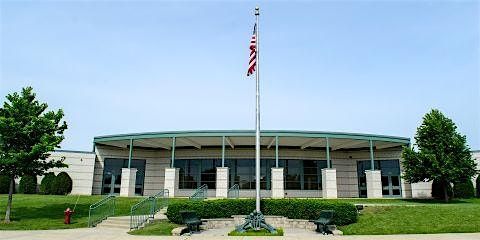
x=68 y=215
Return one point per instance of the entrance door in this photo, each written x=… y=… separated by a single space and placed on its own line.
x=112 y=175
x=362 y=179
x=111 y=182
x=391 y=186
x=390 y=170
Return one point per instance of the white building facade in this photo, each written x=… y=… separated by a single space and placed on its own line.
x=293 y=164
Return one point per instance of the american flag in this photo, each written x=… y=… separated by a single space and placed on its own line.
x=252 y=63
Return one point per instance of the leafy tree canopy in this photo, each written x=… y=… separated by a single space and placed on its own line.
x=27 y=133
x=441 y=153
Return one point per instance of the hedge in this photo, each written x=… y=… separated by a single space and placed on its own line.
x=4 y=184
x=437 y=190
x=46 y=187
x=28 y=184
x=345 y=213
x=478 y=186
x=464 y=189
x=62 y=185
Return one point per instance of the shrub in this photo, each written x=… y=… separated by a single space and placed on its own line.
x=437 y=190
x=464 y=189
x=46 y=187
x=478 y=186
x=4 y=184
x=28 y=184
x=345 y=213
x=62 y=185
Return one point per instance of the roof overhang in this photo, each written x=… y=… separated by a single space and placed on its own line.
x=246 y=138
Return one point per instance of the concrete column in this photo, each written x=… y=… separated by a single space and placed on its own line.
x=329 y=183
x=374 y=183
x=221 y=190
x=172 y=179
x=127 y=185
x=277 y=183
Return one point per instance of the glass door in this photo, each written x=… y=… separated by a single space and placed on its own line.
x=111 y=182
x=112 y=175
x=390 y=170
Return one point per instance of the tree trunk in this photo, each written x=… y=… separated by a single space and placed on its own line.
x=445 y=191
x=9 y=202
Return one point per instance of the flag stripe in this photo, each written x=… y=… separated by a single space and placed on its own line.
x=252 y=62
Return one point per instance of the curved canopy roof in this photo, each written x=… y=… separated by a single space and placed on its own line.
x=242 y=138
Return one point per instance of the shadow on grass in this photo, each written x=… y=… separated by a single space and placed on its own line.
x=436 y=201
x=49 y=211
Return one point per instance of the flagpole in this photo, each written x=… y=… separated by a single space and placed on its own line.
x=257 y=122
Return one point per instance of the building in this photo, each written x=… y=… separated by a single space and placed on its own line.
x=293 y=164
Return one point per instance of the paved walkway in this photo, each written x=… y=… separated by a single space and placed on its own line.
x=112 y=234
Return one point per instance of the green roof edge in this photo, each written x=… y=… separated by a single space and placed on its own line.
x=240 y=133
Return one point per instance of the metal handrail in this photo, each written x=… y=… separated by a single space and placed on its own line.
x=145 y=210
x=200 y=193
x=234 y=191
x=164 y=195
x=101 y=210
x=141 y=212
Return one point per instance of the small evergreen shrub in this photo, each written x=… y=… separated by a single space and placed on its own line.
x=62 y=185
x=28 y=184
x=437 y=190
x=4 y=184
x=345 y=213
x=46 y=187
x=478 y=186
x=464 y=189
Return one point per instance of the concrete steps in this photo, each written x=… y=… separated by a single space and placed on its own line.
x=123 y=222
x=116 y=222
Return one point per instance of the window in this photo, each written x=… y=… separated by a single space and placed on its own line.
x=196 y=172
x=242 y=172
x=298 y=174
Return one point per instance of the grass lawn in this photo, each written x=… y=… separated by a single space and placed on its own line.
x=35 y=212
x=158 y=228
x=458 y=216
x=262 y=232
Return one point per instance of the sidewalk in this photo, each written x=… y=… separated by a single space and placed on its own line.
x=112 y=234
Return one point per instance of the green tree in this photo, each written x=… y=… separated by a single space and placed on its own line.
x=464 y=189
x=4 y=184
x=441 y=153
x=28 y=184
x=478 y=186
x=46 y=187
x=62 y=184
x=27 y=134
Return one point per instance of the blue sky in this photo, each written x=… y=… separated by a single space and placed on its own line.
x=355 y=66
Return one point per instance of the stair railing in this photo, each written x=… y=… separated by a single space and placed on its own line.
x=145 y=210
x=141 y=212
x=200 y=193
x=234 y=191
x=160 y=200
x=101 y=210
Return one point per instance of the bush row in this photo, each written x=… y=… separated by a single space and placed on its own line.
x=28 y=184
x=462 y=189
x=478 y=186
x=56 y=185
x=4 y=184
x=345 y=213
x=51 y=184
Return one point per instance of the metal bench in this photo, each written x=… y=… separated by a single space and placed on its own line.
x=326 y=218
x=191 y=219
